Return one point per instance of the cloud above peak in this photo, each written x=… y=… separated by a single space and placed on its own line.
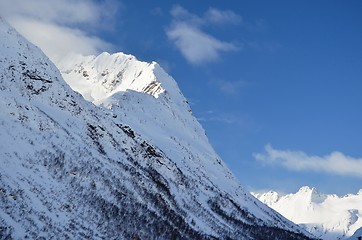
x=335 y=163
x=61 y=27
x=211 y=16
x=214 y=15
x=65 y=11
x=194 y=43
x=228 y=87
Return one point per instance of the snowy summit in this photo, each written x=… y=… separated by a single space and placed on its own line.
x=326 y=216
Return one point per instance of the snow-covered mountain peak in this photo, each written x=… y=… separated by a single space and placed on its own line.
x=311 y=194
x=99 y=77
x=325 y=215
x=268 y=198
x=306 y=189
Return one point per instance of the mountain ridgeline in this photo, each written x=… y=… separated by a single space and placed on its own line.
x=127 y=160
x=326 y=216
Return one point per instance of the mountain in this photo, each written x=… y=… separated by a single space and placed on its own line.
x=127 y=160
x=326 y=216
x=357 y=235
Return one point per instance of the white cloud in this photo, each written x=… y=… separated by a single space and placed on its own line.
x=196 y=45
x=63 y=11
x=182 y=15
x=56 y=41
x=211 y=16
x=334 y=163
x=60 y=27
x=219 y=16
x=219 y=119
x=241 y=121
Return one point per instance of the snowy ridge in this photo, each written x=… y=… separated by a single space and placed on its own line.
x=324 y=215
x=357 y=234
x=138 y=165
x=166 y=118
x=98 y=77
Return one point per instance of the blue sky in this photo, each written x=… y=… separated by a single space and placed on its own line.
x=276 y=84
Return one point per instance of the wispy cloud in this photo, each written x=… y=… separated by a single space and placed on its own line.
x=334 y=163
x=219 y=119
x=228 y=87
x=241 y=121
x=218 y=16
x=211 y=16
x=60 y=27
x=212 y=116
x=197 y=46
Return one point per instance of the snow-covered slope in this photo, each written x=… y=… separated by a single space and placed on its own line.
x=357 y=235
x=326 y=216
x=143 y=96
x=135 y=165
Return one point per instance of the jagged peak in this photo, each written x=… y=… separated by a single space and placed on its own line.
x=268 y=197
x=311 y=194
x=325 y=215
x=99 y=77
x=307 y=189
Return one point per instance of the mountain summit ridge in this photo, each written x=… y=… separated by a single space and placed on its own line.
x=326 y=216
x=124 y=168
x=113 y=73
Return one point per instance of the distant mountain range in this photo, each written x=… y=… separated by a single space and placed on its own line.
x=122 y=159
x=326 y=216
